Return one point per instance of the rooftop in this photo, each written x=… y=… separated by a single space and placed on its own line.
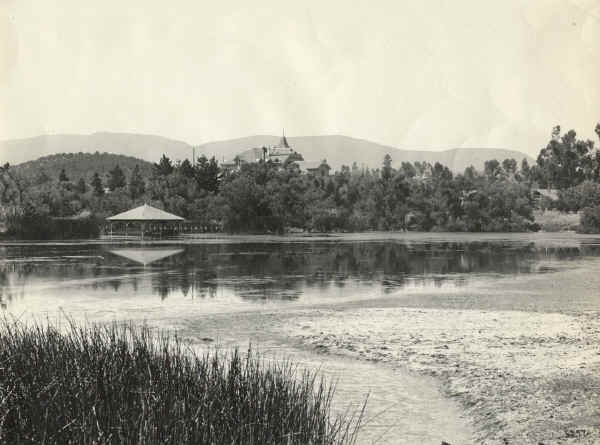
x=283 y=143
x=145 y=213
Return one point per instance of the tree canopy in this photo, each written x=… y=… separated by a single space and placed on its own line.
x=274 y=197
x=97 y=185
x=567 y=161
x=137 y=186
x=164 y=166
x=116 y=178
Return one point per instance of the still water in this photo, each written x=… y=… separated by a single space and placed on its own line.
x=244 y=275
x=223 y=288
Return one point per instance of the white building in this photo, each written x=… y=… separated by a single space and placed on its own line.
x=280 y=152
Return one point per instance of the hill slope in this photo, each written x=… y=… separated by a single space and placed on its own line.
x=81 y=165
x=340 y=150
x=143 y=146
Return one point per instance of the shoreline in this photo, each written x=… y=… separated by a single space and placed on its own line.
x=404 y=407
x=515 y=376
x=522 y=377
x=542 y=237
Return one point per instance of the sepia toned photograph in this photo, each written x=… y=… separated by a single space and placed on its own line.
x=300 y=223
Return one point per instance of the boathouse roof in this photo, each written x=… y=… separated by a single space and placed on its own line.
x=145 y=213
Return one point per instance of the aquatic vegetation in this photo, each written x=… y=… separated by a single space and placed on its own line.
x=118 y=383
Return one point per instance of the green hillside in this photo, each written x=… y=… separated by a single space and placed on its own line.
x=81 y=165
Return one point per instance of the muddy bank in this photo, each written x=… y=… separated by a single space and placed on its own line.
x=403 y=408
x=522 y=377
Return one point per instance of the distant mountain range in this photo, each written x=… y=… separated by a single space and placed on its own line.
x=337 y=150
x=147 y=147
x=344 y=150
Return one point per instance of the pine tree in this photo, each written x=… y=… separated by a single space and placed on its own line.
x=116 y=179
x=164 y=166
x=62 y=177
x=525 y=170
x=81 y=187
x=387 y=171
x=186 y=169
x=137 y=186
x=208 y=173
x=97 y=185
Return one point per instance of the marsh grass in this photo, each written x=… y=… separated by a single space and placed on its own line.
x=109 y=384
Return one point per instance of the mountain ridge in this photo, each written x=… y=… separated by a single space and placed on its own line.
x=143 y=146
x=341 y=150
x=338 y=150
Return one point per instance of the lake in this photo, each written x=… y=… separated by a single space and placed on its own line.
x=239 y=289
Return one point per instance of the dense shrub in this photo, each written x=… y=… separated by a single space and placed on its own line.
x=124 y=385
x=40 y=226
x=573 y=199
x=590 y=220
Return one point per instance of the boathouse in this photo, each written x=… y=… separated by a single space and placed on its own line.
x=145 y=220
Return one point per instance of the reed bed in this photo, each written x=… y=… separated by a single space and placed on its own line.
x=121 y=384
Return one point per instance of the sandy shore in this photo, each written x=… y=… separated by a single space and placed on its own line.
x=522 y=377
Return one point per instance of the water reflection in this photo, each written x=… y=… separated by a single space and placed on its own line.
x=269 y=272
x=145 y=255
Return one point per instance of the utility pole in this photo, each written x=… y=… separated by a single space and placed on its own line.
x=193 y=156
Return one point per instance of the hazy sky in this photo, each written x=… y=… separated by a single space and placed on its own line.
x=413 y=74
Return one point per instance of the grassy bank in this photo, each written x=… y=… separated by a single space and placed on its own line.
x=555 y=221
x=122 y=384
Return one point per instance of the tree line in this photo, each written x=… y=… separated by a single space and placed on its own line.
x=271 y=197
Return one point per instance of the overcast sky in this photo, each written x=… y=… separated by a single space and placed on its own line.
x=412 y=74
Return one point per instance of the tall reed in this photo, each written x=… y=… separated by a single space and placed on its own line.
x=121 y=384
